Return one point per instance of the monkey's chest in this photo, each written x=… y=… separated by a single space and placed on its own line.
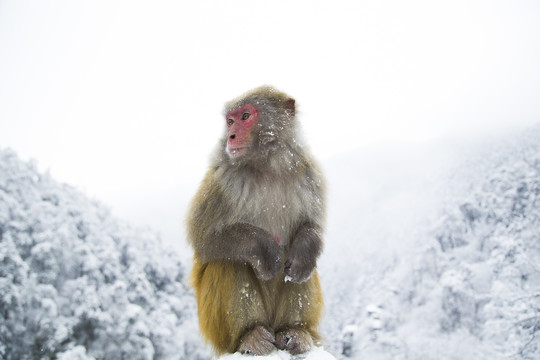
x=275 y=208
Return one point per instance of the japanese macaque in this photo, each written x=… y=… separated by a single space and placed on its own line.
x=256 y=226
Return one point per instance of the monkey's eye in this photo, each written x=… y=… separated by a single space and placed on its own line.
x=245 y=116
x=230 y=122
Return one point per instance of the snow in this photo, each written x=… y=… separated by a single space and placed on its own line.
x=315 y=354
x=431 y=252
x=442 y=253
x=72 y=275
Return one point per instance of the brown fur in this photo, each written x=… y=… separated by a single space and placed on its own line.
x=242 y=205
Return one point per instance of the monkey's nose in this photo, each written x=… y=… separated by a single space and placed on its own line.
x=232 y=137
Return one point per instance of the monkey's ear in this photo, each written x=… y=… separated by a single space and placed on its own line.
x=289 y=105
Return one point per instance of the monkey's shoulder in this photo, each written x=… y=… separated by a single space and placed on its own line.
x=270 y=200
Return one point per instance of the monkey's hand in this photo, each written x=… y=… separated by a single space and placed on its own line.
x=305 y=250
x=299 y=269
x=266 y=257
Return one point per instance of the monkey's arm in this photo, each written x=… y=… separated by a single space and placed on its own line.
x=243 y=243
x=305 y=249
x=307 y=243
x=214 y=240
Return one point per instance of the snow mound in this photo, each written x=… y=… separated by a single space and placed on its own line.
x=315 y=354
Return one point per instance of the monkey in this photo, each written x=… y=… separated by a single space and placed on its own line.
x=256 y=225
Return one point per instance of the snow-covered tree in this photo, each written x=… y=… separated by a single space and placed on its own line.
x=76 y=283
x=467 y=285
x=412 y=269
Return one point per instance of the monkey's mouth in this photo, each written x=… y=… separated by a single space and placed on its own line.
x=235 y=152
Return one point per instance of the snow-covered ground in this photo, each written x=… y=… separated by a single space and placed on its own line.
x=315 y=354
x=431 y=252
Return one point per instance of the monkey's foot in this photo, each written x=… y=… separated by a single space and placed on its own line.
x=295 y=341
x=259 y=341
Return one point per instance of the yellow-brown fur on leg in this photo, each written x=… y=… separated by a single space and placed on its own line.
x=231 y=301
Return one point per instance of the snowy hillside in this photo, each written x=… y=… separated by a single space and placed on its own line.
x=432 y=252
x=77 y=284
x=446 y=258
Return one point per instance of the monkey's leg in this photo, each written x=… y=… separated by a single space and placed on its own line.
x=298 y=313
x=232 y=308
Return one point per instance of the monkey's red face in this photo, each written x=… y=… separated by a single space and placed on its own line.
x=240 y=130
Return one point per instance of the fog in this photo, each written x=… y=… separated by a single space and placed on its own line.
x=123 y=99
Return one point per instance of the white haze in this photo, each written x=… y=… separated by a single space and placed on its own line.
x=123 y=99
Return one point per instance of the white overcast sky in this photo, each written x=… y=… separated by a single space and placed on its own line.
x=123 y=99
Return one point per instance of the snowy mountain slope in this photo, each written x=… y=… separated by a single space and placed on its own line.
x=431 y=252
x=75 y=283
x=450 y=268
x=380 y=197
